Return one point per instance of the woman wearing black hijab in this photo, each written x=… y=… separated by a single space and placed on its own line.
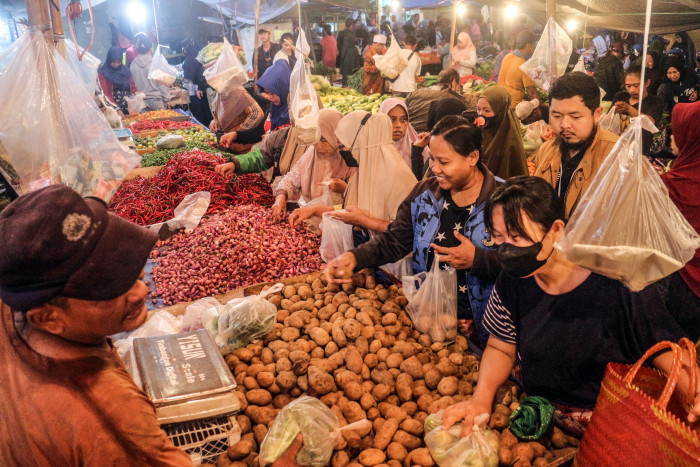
x=193 y=72
x=115 y=79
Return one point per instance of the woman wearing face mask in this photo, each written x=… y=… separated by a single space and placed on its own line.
x=679 y=85
x=564 y=322
x=504 y=153
x=403 y=134
x=445 y=215
x=320 y=163
x=380 y=183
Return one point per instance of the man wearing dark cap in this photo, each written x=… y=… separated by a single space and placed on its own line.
x=518 y=84
x=266 y=51
x=71 y=275
x=609 y=72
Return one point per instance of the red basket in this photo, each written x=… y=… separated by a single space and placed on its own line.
x=639 y=420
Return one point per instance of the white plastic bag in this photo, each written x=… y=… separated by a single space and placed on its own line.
x=626 y=227
x=611 y=121
x=448 y=449
x=392 y=63
x=242 y=320
x=51 y=128
x=188 y=213
x=336 y=237
x=432 y=301
x=161 y=71
x=161 y=323
x=194 y=313
x=85 y=68
x=551 y=56
x=304 y=101
x=319 y=427
x=171 y=142
x=135 y=103
x=227 y=73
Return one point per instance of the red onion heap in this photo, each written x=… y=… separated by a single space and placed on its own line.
x=239 y=247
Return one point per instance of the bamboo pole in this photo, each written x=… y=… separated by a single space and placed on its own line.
x=57 y=25
x=155 y=21
x=255 y=50
x=379 y=17
x=552 y=15
x=455 y=7
x=39 y=17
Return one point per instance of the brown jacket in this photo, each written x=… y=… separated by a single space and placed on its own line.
x=82 y=411
x=548 y=163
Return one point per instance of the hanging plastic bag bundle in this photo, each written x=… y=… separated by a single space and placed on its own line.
x=51 y=130
x=551 y=56
x=241 y=320
x=318 y=425
x=392 y=63
x=626 y=227
x=432 y=301
x=611 y=121
x=449 y=449
x=336 y=237
x=227 y=73
x=304 y=102
x=161 y=71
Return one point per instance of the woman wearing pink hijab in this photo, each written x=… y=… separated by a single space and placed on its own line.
x=464 y=55
x=402 y=132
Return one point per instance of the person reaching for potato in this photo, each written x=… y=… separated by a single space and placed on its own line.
x=444 y=215
x=565 y=323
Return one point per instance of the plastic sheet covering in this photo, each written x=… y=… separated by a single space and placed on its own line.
x=304 y=102
x=551 y=56
x=626 y=227
x=51 y=130
x=85 y=68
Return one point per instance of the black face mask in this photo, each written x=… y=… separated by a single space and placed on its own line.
x=521 y=261
x=346 y=154
x=488 y=121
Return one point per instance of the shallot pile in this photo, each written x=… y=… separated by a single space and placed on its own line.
x=239 y=247
x=147 y=201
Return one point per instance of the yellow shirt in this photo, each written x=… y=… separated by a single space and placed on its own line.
x=514 y=79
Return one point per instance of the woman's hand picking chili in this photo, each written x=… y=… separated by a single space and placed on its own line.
x=226 y=169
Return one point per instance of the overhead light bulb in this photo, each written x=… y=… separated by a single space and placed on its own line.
x=137 y=12
x=462 y=9
x=572 y=25
x=395 y=5
x=511 y=11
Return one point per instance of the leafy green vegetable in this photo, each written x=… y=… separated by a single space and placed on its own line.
x=355 y=80
x=164 y=155
x=484 y=69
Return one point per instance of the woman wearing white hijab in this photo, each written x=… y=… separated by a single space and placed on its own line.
x=382 y=181
x=402 y=132
x=319 y=164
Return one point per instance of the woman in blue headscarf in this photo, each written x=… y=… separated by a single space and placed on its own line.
x=275 y=85
x=115 y=79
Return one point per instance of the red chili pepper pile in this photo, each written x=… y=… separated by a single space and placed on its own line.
x=242 y=246
x=160 y=125
x=147 y=201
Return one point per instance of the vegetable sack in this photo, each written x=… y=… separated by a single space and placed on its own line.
x=161 y=71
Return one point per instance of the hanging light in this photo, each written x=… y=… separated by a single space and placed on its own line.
x=462 y=9
x=137 y=12
x=395 y=5
x=572 y=25
x=511 y=11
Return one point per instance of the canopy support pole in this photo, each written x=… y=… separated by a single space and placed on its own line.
x=455 y=7
x=39 y=17
x=255 y=42
x=155 y=20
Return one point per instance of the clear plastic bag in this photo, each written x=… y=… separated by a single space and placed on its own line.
x=242 y=320
x=161 y=323
x=551 y=56
x=135 y=103
x=171 y=142
x=319 y=427
x=432 y=301
x=188 y=213
x=85 y=68
x=336 y=237
x=194 y=313
x=304 y=101
x=611 y=121
x=227 y=73
x=161 y=71
x=480 y=448
x=51 y=129
x=392 y=63
x=626 y=227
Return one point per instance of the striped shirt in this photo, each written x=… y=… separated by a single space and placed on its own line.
x=498 y=320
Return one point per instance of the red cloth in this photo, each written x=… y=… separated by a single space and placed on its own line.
x=330 y=50
x=108 y=89
x=683 y=180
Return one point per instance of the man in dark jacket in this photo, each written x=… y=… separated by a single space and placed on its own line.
x=348 y=56
x=609 y=73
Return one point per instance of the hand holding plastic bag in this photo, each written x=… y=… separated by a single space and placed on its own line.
x=392 y=63
x=241 y=320
x=161 y=71
x=318 y=425
x=626 y=227
x=227 y=73
x=551 y=56
x=480 y=448
x=432 y=301
x=336 y=237
x=304 y=102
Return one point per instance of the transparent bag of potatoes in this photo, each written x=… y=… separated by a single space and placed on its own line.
x=432 y=301
x=449 y=449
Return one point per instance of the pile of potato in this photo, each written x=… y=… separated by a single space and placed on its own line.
x=355 y=349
